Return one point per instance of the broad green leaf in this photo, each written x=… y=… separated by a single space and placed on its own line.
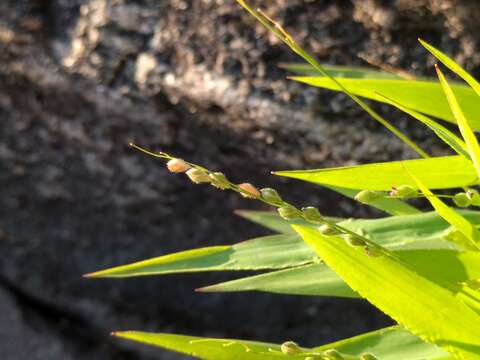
x=423 y=96
x=462 y=122
x=436 y=173
x=453 y=217
x=339 y=71
x=392 y=343
x=428 y=310
x=457 y=144
x=391 y=206
x=268 y=252
x=422 y=231
x=452 y=65
x=447 y=266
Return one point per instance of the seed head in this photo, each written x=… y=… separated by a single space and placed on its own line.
x=474 y=196
x=329 y=230
x=290 y=348
x=249 y=191
x=219 y=180
x=288 y=212
x=368 y=356
x=354 y=240
x=311 y=214
x=332 y=354
x=271 y=196
x=368 y=196
x=198 y=176
x=404 y=192
x=373 y=250
x=177 y=166
x=462 y=200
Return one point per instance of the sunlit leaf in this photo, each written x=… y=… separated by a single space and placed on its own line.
x=339 y=71
x=430 y=311
x=452 y=65
x=393 y=343
x=423 y=96
x=453 y=217
x=436 y=173
x=462 y=122
x=457 y=144
x=268 y=252
x=422 y=231
x=319 y=280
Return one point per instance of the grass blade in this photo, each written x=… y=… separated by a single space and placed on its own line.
x=278 y=31
x=392 y=343
x=448 y=137
x=436 y=173
x=462 y=122
x=452 y=65
x=339 y=71
x=448 y=266
x=426 y=97
x=454 y=218
x=434 y=314
x=394 y=207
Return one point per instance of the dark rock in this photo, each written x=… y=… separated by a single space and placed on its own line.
x=80 y=79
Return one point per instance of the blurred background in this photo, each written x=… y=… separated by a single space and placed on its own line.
x=79 y=79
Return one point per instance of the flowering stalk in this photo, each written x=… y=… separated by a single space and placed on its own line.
x=287 y=211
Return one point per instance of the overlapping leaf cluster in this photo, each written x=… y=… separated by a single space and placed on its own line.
x=427 y=276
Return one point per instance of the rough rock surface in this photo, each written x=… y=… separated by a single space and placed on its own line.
x=80 y=78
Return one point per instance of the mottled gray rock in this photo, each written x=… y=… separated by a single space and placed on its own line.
x=79 y=79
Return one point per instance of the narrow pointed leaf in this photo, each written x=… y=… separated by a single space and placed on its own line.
x=282 y=34
x=269 y=252
x=422 y=231
x=339 y=71
x=423 y=96
x=462 y=122
x=392 y=343
x=434 y=314
x=310 y=280
x=436 y=173
x=448 y=137
x=452 y=65
x=448 y=266
x=204 y=348
x=453 y=217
